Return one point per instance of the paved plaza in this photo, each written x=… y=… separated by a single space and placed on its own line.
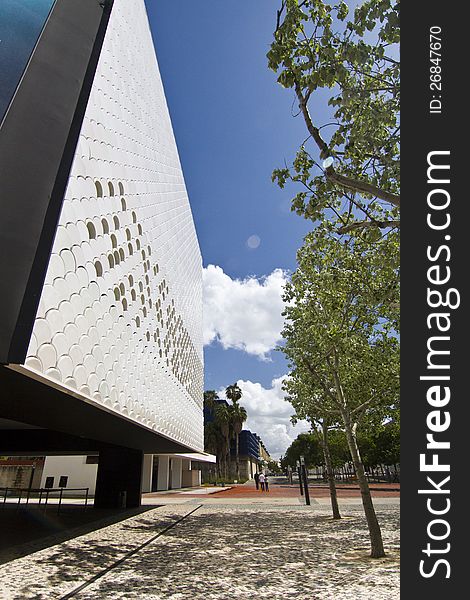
x=195 y=548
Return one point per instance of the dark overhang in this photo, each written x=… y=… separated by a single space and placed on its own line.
x=67 y=424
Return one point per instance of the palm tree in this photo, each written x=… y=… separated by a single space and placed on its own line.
x=223 y=420
x=233 y=393
x=210 y=397
x=214 y=443
x=238 y=417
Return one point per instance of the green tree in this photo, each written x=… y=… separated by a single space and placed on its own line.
x=223 y=420
x=323 y=426
x=307 y=445
x=341 y=342
x=213 y=438
x=320 y=429
x=348 y=168
x=338 y=446
x=238 y=417
x=214 y=443
x=210 y=399
x=273 y=467
x=233 y=392
x=380 y=445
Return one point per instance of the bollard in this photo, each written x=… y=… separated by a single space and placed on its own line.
x=303 y=471
x=60 y=499
x=299 y=473
x=305 y=478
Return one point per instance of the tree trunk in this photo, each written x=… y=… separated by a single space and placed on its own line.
x=377 y=547
x=236 y=455
x=223 y=464
x=329 y=472
x=228 y=459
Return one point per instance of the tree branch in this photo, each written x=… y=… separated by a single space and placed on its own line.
x=366 y=224
x=279 y=14
x=318 y=378
x=332 y=175
x=314 y=131
x=362 y=208
x=362 y=186
x=361 y=406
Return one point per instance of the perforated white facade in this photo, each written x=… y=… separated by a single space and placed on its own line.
x=120 y=316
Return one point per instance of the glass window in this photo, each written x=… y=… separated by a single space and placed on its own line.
x=21 y=22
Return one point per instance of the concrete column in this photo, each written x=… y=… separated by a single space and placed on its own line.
x=147 y=472
x=186 y=473
x=176 y=473
x=119 y=473
x=196 y=478
x=163 y=479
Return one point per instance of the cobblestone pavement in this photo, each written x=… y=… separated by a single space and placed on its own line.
x=32 y=528
x=219 y=552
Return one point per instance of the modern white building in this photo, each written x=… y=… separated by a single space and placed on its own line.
x=110 y=359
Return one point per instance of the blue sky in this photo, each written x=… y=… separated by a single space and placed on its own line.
x=233 y=125
x=20 y=25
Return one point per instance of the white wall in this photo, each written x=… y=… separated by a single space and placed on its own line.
x=163 y=479
x=175 y=473
x=147 y=473
x=80 y=475
x=120 y=316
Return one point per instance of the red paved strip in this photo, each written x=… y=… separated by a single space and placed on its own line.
x=378 y=490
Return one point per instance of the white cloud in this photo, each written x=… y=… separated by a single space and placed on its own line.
x=269 y=415
x=243 y=314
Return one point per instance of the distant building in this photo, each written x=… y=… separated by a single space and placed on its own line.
x=264 y=454
x=249 y=454
x=209 y=413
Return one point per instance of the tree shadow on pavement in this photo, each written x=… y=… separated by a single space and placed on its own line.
x=275 y=555
x=66 y=566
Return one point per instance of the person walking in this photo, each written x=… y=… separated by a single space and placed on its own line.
x=256 y=478
x=261 y=481
x=266 y=483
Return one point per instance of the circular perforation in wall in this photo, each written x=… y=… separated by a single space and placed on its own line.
x=127 y=183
